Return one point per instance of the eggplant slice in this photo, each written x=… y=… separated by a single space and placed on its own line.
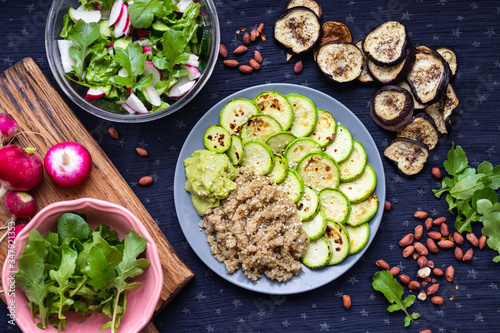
x=298 y=30
x=311 y=4
x=450 y=57
x=339 y=61
x=333 y=31
x=416 y=104
x=393 y=74
x=386 y=44
x=365 y=76
x=441 y=111
x=429 y=76
x=406 y=155
x=391 y=107
x=421 y=129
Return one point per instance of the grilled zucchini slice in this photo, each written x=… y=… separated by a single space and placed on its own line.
x=274 y=104
x=298 y=30
x=319 y=171
x=393 y=74
x=421 y=129
x=355 y=164
x=217 y=139
x=316 y=227
x=293 y=185
x=358 y=237
x=305 y=115
x=364 y=211
x=311 y=4
x=318 y=253
x=335 y=205
x=259 y=157
x=338 y=237
x=279 y=141
x=307 y=206
x=361 y=188
x=325 y=129
x=339 y=61
x=236 y=151
x=391 y=107
x=341 y=147
x=386 y=45
x=236 y=113
x=406 y=155
x=280 y=169
x=259 y=128
x=299 y=148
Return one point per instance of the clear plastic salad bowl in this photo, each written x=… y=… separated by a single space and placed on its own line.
x=77 y=92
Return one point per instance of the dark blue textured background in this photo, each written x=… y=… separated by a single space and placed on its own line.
x=209 y=303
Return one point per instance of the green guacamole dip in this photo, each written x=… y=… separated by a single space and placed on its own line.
x=209 y=179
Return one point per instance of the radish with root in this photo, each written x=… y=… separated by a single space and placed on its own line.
x=68 y=164
x=8 y=127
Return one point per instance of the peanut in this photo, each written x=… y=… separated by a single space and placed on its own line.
x=422 y=296
x=113 y=133
x=430 y=263
x=394 y=270
x=405 y=279
x=433 y=289
x=434 y=235
x=408 y=251
x=446 y=244
x=420 y=214
x=247 y=39
x=257 y=56
x=146 y=180
x=468 y=255
x=222 y=50
x=436 y=172
x=439 y=220
x=431 y=245
x=472 y=239
x=406 y=240
x=422 y=261
x=346 y=300
x=231 y=63
x=459 y=254
x=298 y=67
x=254 y=64
x=482 y=242
x=142 y=152
x=413 y=285
x=438 y=272
x=245 y=69
x=387 y=205
x=260 y=28
x=240 y=49
x=437 y=300
x=421 y=249
x=428 y=224
x=415 y=255
x=424 y=273
x=254 y=34
x=425 y=331
x=459 y=239
x=444 y=230
x=450 y=273
x=423 y=284
x=419 y=231
x=382 y=264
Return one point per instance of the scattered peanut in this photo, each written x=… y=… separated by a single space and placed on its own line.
x=421 y=249
x=231 y=63
x=433 y=289
x=387 y=205
x=434 y=235
x=444 y=230
x=298 y=67
x=141 y=151
x=431 y=245
x=382 y=264
x=424 y=273
x=422 y=261
x=472 y=239
x=419 y=231
x=422 y=296
x=437 y=300
x=459 y=254
x=254 y=34
x=113 y=133
x=436 y=172
x=438 y=272
x=257 y=56
x=428 y=224
x=468 y=255
x=346 y=300
x=430 y=263
x=245 y=69
x=405 y=279
x=420 y=214
x=406 y=240
x=439 y=220
x=459 y=239
x=408 y=251
x=146 y=180
x=254 y=64
x=482 y=242
x=240 y=49
x=415 y=255
x=394 y=270
x=260 y=28
x=450 y=273
x=222 y=50
x=425 y=331
x=247 y=39
x=413 y=285
x=446 y=244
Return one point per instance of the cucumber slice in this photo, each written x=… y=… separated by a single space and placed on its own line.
x=236 y=113
x=358 y=237
x=326 y=127
x=293 y=185
x=319 y=171
x=364 y=211
x=277 y=106
x=318 y=253
x=259 y=157
x=279 y=141
x=338 y=237
x=236 y=151
x=299 y=148
x=354 y=165
x=305 y=115
x=342 y=145
x=316 y=227
x=335 y=204
x=259 y=128
x=217 y=139
x=361 y=188
x=307 y=206
x=280 y=169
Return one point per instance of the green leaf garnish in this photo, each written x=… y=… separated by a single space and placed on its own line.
x=82 y=35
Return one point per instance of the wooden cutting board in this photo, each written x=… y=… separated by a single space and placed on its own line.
x=29 y=97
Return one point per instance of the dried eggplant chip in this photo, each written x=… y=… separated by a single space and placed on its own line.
x=298 y=30
x=450 y=56
x=391 y=107
x=442 y=110
x=339 y=61
x=365 y=76
x=421 y=129
x=406 y=155
x=393 y=74
x=386 y=44
x=311 y=4
x=429 y=76
x=333 y=31
x=416 y=104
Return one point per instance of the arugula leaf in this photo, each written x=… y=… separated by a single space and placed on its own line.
x=143 y=12
x=384 y=282
x=102 y=67
x=71 y=225
x=457 y=161
x=174 y=44
x=132 y=60
x=82 y=35
x=491 y=228
x=68 y=24
x=98 y=269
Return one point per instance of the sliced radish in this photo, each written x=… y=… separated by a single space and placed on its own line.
x=116 y=12
x=95 y=93
x=129 y=90
x=182 y=4
x=193 y=72
x=147 y=50
x=181 y=87
x=149 y=68
x=110 y=46
x=193 y=60
x=98 y=6
x=87 y=16
x=141 y=33
x=142 y=42
x=123 y=72
x=135 y=104
x=121 y=26
x=128 y=108
x=66 y=60
x=68 y=163
x=152 y=95
x=127 y=30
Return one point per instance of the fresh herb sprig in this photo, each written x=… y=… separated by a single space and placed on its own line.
x=472 y=194
x=384 y=282
x=82 y=35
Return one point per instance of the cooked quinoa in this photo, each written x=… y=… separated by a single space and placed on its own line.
x=256 y=227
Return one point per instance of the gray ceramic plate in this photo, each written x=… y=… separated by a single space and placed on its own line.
x=188 y=218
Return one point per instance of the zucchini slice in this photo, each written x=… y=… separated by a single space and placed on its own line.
x=342 y=145
x=365 y=75
x=358 y=237
x=354 y=166
x=305 y=115
x=293 y=185
x=274 y=104
x=311 y=4
x=279 y=141
x=299 y=148
x=442 y=110
x=259 y=128
x=259 y=157
x=393 y=74
x=391 y=107
x=318 y=253
x=450 y=57
x=416 y=105
x=297 y=30
x=338 y=237
x=316 y=227
x=421 y=129
x=307 y=206
x=236 y=151
x=340 y=61
x=319 y=171
x=326 y=127
x=236 y=113
x=217 y=139
x=386 y=45
x=406 y=155
x=364 y=211
x=335 y=204
x=429 y=76
x=280 y=170
x=360 y=189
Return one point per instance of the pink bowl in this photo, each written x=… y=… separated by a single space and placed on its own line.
x=141 y=303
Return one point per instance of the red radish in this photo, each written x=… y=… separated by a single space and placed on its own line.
x=20 y=204
x=95 y=93
x=129 y=90
x=8 y=127
x=193 y=60
x=141 y=33
x=193 y=72
x=116 y=12
x=87 y=16
x=152 y=95
x=122 y=24
x=147 y=50
x=110 y=47
x=135 y=104
x=20 y=169
x=142 y=42
x=66 y=60
x=128 y=109
x=181 y=88
x=149 y=68
x=127 y=30
x=98 y=6
x=68 y=163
